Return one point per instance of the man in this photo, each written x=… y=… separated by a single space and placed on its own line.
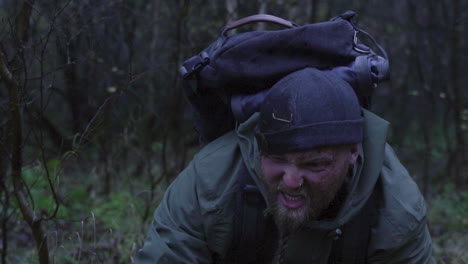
x=321 y=164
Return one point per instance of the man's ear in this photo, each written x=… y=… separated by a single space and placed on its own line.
x=354 y=153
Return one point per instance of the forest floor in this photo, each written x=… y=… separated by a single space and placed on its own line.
x=92 y=227
x=448 y=223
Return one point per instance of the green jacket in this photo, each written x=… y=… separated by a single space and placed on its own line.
x=195 y=218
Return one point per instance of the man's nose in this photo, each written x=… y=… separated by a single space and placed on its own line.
x=292 y=177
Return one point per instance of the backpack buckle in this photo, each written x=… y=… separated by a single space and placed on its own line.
x=359 y=47
x=198 y=63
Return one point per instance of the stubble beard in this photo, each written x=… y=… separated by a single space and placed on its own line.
x=317 y=199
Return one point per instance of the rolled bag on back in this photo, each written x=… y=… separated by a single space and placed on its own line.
x=227 y=82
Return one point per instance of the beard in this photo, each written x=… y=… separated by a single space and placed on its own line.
x=317 y=198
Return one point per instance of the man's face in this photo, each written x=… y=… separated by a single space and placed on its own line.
x=302 y=184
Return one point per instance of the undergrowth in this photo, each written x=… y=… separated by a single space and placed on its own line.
x=92 y=227
x=448 y=222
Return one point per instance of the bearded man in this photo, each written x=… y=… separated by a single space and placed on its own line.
x=333 y=190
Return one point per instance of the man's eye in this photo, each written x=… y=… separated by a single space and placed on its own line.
x=318 y=165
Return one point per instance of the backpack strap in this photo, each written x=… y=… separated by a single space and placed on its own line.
x=250 y=224
x=248 y=206
x=363 y=75
x=352 y=241
x=257 y=18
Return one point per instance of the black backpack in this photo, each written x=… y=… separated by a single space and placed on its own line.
x=227 y=82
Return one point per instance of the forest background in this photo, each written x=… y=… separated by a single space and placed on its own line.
x=94 y=124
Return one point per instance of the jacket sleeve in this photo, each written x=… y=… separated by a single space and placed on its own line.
x=401 y=235
x=417 y=249
x=176 y=234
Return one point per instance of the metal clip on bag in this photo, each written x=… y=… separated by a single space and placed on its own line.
x=227 y=82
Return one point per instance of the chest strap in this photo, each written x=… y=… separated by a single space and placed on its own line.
x=350 y=247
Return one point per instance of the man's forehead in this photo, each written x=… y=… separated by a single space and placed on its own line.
x=315 y=153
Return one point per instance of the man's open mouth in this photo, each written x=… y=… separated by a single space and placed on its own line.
x=291 y=200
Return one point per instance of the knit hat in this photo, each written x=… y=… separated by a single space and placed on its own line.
x=306 y=109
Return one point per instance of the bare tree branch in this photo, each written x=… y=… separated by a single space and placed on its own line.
x=16 y=162
x=12 y=82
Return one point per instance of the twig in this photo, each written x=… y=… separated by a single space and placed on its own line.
x=92 y=120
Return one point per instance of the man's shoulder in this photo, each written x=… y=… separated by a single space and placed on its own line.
x=401 y=190
x=211 y=171
x=222 y=147
x=217 y=159
x=400 y=234
x=214 y=168
x=402 y=207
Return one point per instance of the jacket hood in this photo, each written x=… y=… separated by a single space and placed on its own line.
x=361 y=184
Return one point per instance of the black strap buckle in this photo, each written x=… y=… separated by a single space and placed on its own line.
x=198 y=63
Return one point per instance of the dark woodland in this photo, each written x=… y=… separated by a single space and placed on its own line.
x=94 y=124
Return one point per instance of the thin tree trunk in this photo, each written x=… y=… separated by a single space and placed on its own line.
x=313 y=11
x=176 y=106
x=15 y=141
x=16 y=148
x=231 y=8
x=262 y=9
x=426 y=99
x=4 y=188
x=5 y=218
x=454 y=66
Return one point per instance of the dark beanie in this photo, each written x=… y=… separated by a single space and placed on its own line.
x=308 y=109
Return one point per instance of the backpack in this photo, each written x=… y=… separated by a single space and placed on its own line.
x=227 y=82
